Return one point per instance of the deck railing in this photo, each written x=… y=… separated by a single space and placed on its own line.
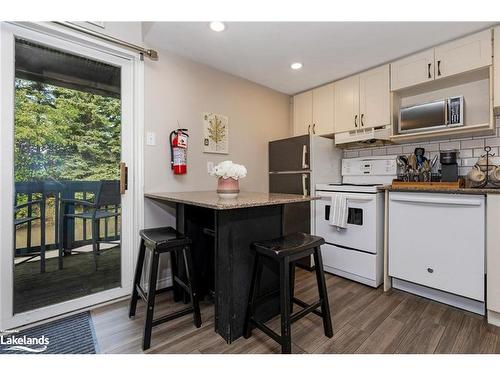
x=50 y=193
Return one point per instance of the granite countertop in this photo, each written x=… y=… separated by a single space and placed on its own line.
x=245 y=199
x=464 y=190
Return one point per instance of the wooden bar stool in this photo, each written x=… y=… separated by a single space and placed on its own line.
x=159 y=241
x=286 y=250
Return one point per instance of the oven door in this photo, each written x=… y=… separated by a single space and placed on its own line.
x=361 y=231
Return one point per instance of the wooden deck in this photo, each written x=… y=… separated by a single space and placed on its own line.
x=365 y=320
x=79 y=278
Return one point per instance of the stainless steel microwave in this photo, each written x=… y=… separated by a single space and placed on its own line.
x=432 y=115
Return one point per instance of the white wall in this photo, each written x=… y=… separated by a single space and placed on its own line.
x=177 y=89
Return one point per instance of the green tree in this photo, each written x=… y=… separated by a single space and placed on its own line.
x=65 y=134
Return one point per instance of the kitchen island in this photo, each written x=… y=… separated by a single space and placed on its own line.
x=222 y=231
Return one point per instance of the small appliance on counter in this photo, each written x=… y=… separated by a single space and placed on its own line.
x=449 y=165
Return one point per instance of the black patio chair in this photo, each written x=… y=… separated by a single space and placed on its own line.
x=30 y=253
x=108 y=194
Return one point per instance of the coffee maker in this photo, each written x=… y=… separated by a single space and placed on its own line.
x=449 y=165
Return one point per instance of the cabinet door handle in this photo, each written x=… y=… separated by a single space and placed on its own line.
x=429 y=70
x=304 y=156
x=356 y=121
x=439 y=67
x=362 y=115
x=314 y=128
x=308 y=129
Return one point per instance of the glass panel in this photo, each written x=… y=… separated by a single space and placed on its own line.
x=355 y=216
x=67 y=153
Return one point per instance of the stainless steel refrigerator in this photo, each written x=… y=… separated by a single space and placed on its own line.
x=296 y=165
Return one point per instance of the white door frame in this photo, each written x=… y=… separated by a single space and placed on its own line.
x=132 y=153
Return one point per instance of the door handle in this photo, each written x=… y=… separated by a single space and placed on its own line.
x=314 y=128
x=439 y=67
x=429 y=70
x=304 y=187
x=356 y=121
x=362 y=115
x=123 y=177
x=304 y=155
x=308 y=129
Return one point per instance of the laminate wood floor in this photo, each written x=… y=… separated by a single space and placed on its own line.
x=365 y=320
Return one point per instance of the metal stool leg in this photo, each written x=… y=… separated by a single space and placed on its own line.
x=323 y=293
x=286 y=339
x=254 y=289
x=151 y=299
x=188 y=262
x=137 y=279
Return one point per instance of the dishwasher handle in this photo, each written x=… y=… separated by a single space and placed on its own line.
x=447 y=201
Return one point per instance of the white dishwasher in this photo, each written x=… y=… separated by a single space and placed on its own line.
x=437 y=246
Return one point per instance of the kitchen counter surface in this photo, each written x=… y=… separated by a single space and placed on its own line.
x=210 y=199
x=465 y=190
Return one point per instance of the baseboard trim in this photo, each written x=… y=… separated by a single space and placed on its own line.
x=493 y=318
x=463 y=303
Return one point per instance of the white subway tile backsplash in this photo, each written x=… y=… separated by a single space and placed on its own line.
x=394 y=150
x=468 y=162
x=493 y=142
x=379 y=151
x=478 y=152
x=473 y=143
x=455 y=145
x=471 y=148
x=462 y=171
x=466 y=153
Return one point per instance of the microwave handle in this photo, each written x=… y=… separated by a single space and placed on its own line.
x=446 y=111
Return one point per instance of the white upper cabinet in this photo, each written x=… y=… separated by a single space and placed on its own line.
x=465 y=54
x=302 y=113
x=323 y=109
x=496 y=66
x=374 y=98
x=460 y=56
x=412 y=70
x=347 y=104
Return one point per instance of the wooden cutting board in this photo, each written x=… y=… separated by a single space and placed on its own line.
x=438 y=185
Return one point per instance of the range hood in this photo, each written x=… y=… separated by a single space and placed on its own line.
x=364 y=136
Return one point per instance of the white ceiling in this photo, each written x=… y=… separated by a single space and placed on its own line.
x=263 y=51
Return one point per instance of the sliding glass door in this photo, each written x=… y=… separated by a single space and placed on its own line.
x=65 y=146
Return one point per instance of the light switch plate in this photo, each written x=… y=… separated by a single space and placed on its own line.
x=151 y=138
x=210 y=166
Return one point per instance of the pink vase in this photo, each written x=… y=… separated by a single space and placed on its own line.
x=228 y=188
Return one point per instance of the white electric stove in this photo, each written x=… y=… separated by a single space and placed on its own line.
x=356 y=252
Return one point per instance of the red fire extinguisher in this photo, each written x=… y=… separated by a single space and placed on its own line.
x=178 y=151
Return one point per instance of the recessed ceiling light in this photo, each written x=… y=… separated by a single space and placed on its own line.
x=296 y=66
x=217 y=26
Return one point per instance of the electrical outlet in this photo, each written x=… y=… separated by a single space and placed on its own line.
x=210 y=166
x=151 y=138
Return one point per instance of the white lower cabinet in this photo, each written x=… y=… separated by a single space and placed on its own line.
x=438 y=241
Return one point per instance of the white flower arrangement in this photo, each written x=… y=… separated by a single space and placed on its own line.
x=227 y=169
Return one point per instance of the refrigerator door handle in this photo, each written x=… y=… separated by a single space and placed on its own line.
x=304 y=186
x=304 y=154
